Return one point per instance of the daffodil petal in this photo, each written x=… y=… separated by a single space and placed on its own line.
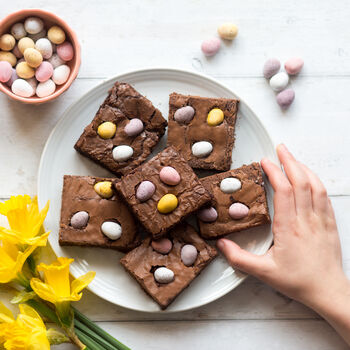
x=16 y=237
x=15 y=202
x=43 y=290
x=5 y=314
x=80 y=283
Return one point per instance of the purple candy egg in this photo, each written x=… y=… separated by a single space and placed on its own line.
x=134 y=127
x=285 y=98
x=271 y=67
x=162 y=246
x=145 y=191
x=208 y=214
x=189 y=254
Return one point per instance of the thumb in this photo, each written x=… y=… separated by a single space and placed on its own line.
x=241 y=259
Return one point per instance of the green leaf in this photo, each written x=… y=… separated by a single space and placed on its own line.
x=55 y=337
x=22 y=297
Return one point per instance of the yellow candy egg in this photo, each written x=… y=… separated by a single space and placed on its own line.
x=107 y=130
x=24 y=71
x=215 y=117
x=56 y=35
x=7 y=42
x=9 y=57
x=25 y=43
x=228 y=31
x=167 y=204
x=33 y=57
x=104 y=189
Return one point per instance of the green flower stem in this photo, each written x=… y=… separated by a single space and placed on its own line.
x=23 y=281
x=32 y=265
x=90 y=343
x=44 y=310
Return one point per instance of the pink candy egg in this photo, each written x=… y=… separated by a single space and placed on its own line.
x=169 y=176
x=208 y=214
x=285 y=98
x=211 y=46
x=14 y=76
x=65 y=51
x=44 y=71
x=162 y=246
x=134 y=127
x=294 y=65
x=145 y=191
x=5 y=71
x=189 y=254
x=238 y=211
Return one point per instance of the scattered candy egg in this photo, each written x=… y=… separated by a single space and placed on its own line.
x=294 y=65
x=238 y=211
x=188 y=254
x=145 y=191
x=230 y=185
x=211 y=46
x=14 y=76
x=56 y=61
x=22 y=88
x=7 y=42
x=271 y=67
x=169 y=176
x=104 y=189
x=25 y=43
x=122 y=153
x=79 y=220
x=162 y=246
x=33 y=25
x=56 y=35
x=65 y=51
x=44 y=46
x=134 y=127
x=24 y=71
x=46 y=88
x=215 y=117
x=228 y=31
x=9 y=57
x=33 y=57
x=279 y=81
x=184 y=114
x=163 y=275
x=202 y=149
x=111 y=229
x=106 y=130
x=5 y=71
x=208 y=214
x=167 y=204
x=44 y=71
x=60 y=74
x=37 y=36
x=285 y=98
x=18 y=31
x=16 y=52
x=33 y=83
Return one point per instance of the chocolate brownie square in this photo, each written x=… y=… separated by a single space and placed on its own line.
x=239 y=202
x=185 y=197
x=189 y=124
x=143 y=261
x=84 y=211
x=126 y=119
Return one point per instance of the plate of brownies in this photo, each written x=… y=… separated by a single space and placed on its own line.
x=144 y=173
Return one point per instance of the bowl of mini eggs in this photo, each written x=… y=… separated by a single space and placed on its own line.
x=39 y=56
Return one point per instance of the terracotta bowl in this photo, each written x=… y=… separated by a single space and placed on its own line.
x=49 y=20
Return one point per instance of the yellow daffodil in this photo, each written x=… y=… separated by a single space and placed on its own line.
x=25 y=221
x=27 y=332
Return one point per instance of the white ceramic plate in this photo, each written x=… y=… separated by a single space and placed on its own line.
x=59 y=157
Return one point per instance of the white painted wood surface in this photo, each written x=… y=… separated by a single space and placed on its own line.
x=117 y=36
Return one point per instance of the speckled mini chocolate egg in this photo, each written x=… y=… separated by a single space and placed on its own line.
x=163 y=275
x=285 y=98
x=44 y=46
x=7 y=42
x=5 y=71
x=189 y=254
x=65 y=51
x=201 y=149
x=22 y=88
x=112 y=230
x=169 y=176
x=230 y=185
x=18 y=31
x=207 y=214
x=134 y=127
x=184 y=114
x=33 y=25
x=211 y=46
x=44 y=71
x=122 y=153
x=46 y=88
x=61 y=74
x=145 y=191
x=271 y=67
x=79 y=220
x=238 y=211
x=162 y=245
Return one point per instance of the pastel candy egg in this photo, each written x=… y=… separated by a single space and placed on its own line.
x=25 y=43
x=56 y=35
x=65 y=51
x=18 y=31
x=44 y=71
x=104 y=189
x=46 y=88
x=24 y=71
x=208 y=214
x=14 y=76
x=44 y=46
x=238 y=211
x=211 y=46
x=79 y=220
x=215 y=117
x=169 y=176
x=107 y=130
x=9 y=57
x=145 y=191
x=33 y=57
x=16 y=52
x=271 y=67
x=33 y=83
x=122 y=153
x=22 y=88
x=285 y=98
x=228 y=31
x=5 y=71
x=134 y=127
x=230 y=185
x=60 y=74
x=163 y=275
x=167 y=204
x=162 y=246
x=294 y=65
x=112 y=230
x=37 y=36
x=184 y=114
x=7 y=42
x=279 y=81
x=188 y=254
x=56 y=61
x=33 y=25
x=202 y=149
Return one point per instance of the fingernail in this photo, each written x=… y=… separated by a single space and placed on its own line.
x=220 y=244
x=283 y=147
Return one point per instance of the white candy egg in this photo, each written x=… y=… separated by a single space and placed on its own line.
x=230 y=185
x=46 y=88
x=33 y=25
x=112 y=230
x=122 y=153
x=22 y=88
x=279 y=81
x=163 y=275
x=44 y=46
x=202 y=149
x=18 y=31
x=61 y=74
